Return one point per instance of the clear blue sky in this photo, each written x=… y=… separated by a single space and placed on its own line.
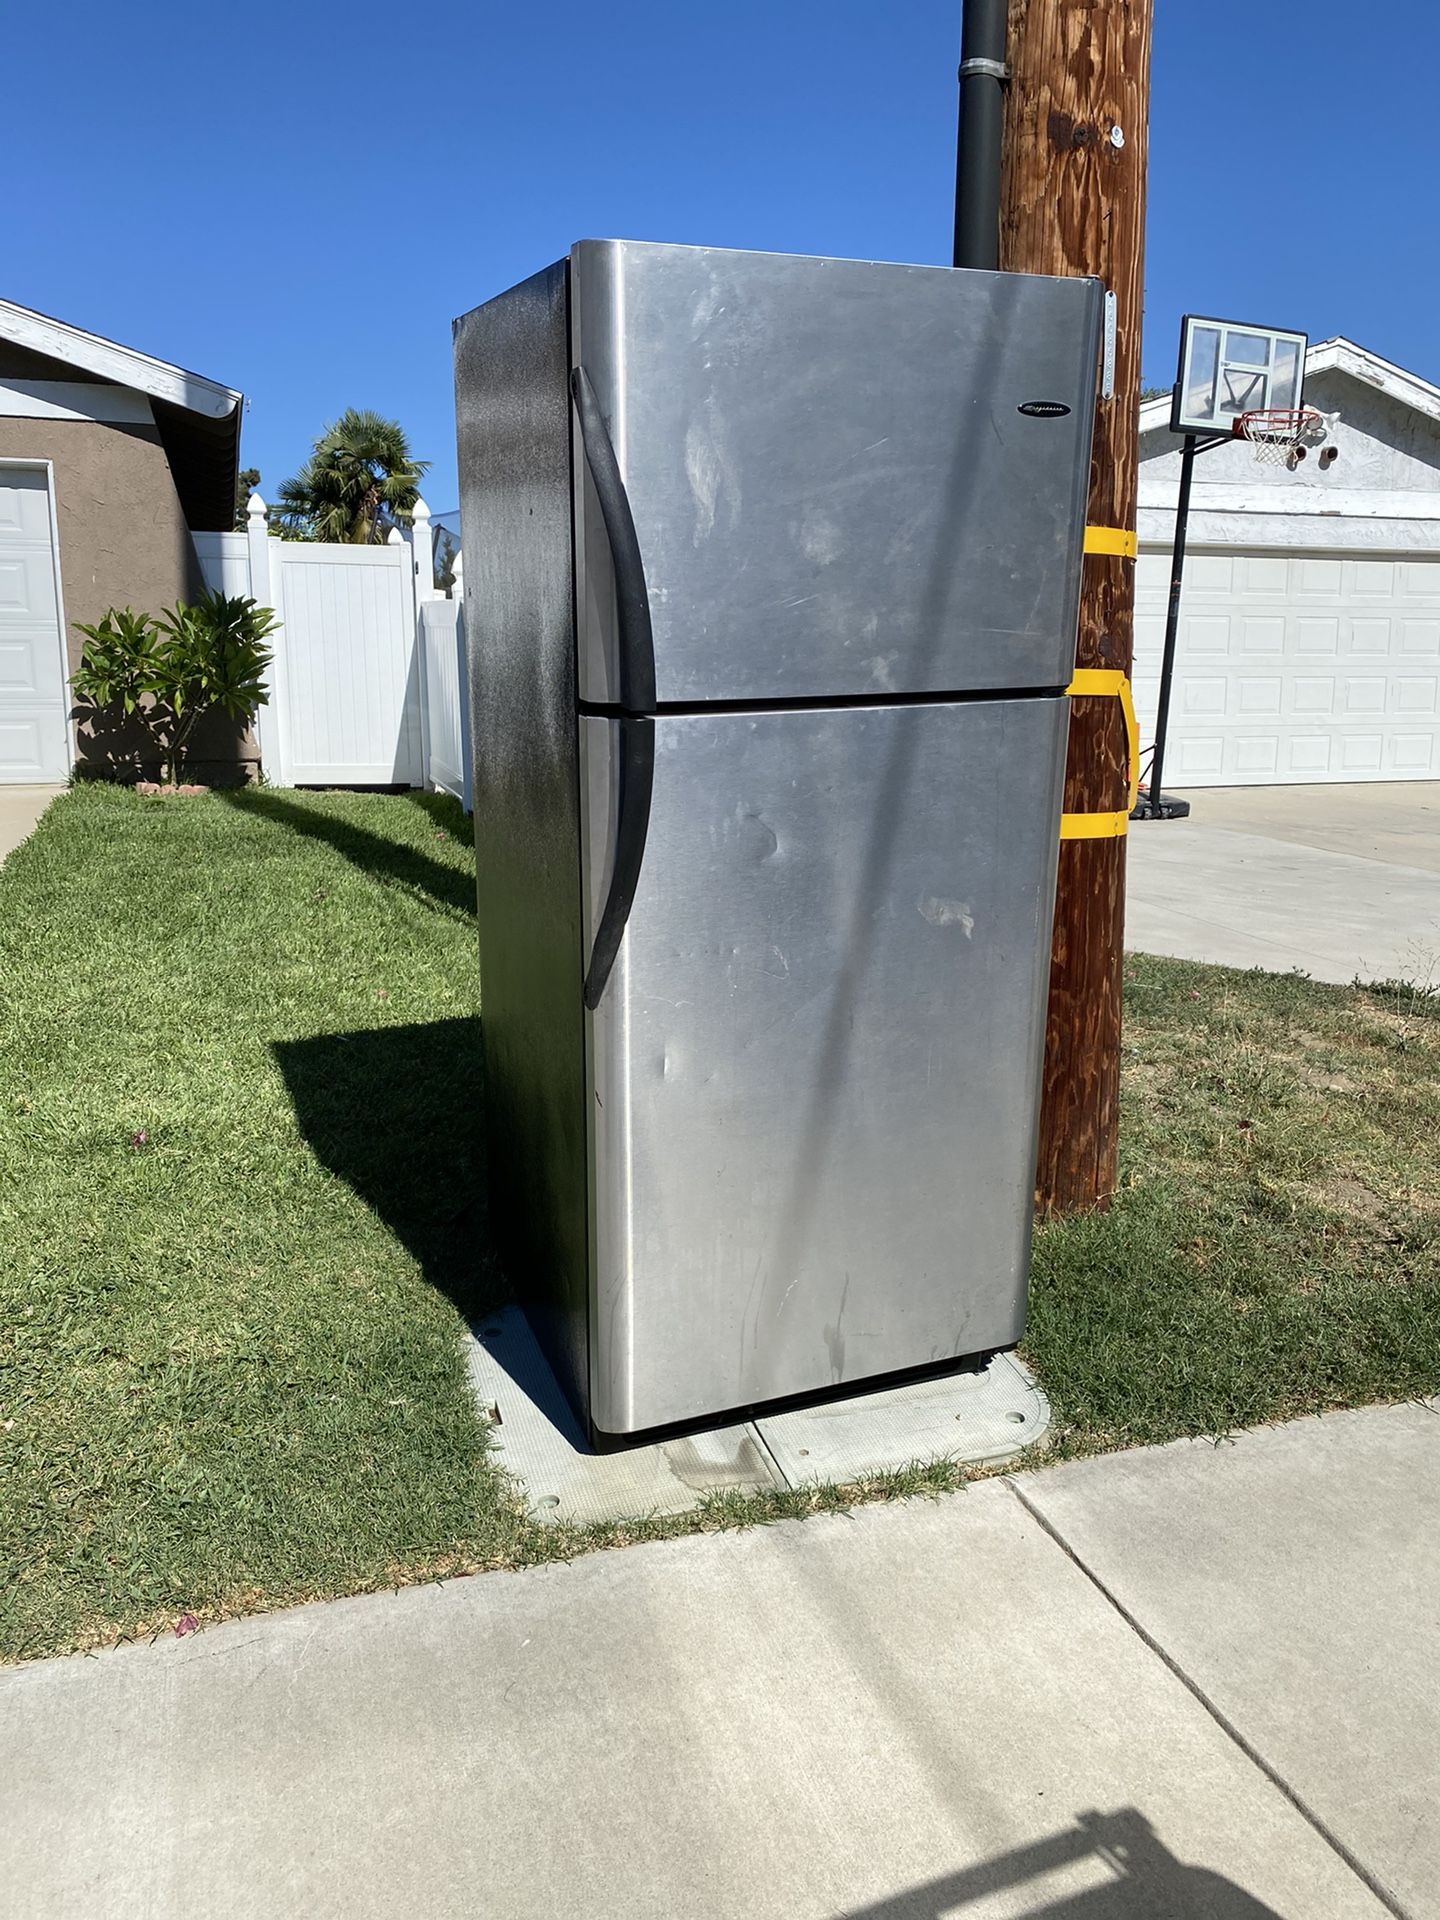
x=297 y=200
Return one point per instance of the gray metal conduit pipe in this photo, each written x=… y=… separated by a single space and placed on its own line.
x=983 y=74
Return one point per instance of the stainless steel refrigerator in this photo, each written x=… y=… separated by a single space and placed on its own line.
x=771 y=569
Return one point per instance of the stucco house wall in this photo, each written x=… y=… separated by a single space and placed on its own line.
x=123 y=535
x=123 y=543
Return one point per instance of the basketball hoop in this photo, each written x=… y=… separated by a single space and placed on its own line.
x=1280 y=435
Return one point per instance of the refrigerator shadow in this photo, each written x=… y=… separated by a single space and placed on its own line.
x=1145 y=1880
x=390 y=862
x=397 y=1113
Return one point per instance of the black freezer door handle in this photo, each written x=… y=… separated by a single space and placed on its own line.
x=636 y=685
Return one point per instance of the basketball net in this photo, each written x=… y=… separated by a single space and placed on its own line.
x=1280 y=435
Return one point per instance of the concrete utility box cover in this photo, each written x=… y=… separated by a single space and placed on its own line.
x=983 y=1417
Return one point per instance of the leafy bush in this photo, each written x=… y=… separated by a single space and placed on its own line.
x=120 y=663
x=169 y=672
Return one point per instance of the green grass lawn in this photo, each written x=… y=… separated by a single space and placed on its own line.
x=239 y=1167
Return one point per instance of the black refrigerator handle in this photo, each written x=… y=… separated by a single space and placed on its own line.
x=632 y=596
x=632 y=824
x=636 y=688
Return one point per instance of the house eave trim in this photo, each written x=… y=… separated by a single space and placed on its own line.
x=110 y=361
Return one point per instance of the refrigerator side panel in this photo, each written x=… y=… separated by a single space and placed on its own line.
x=846 y=478
x=513 y=408
x=818 y=1054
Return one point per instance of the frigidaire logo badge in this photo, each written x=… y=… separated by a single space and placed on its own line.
x=1043 y=409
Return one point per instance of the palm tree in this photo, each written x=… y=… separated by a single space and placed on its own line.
x=359 y=481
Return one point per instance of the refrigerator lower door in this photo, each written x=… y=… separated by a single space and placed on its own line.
x=814 y=1063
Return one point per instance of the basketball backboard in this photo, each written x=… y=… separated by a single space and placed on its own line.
x=1227 y=369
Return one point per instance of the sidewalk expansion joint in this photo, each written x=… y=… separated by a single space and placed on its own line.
x=1221 y=1719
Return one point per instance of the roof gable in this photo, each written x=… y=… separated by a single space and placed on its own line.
x=107 y=360
x=198 y=419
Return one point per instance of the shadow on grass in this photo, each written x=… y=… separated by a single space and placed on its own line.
x=397 y=1113
x=391 y=862
x=445 y=811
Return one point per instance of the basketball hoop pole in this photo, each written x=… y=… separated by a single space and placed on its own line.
x=1155 y=806
x=1251 y=380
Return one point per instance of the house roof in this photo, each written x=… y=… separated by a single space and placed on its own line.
x=198 y=419
x=1336 y=356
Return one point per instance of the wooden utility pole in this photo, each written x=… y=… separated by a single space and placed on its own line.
x=1073 y=202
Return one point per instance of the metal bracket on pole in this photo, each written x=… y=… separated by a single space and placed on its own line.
x=995 y=69
x=1107 y=354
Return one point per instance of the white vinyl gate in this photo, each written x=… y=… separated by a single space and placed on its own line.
x=445 y=687
x=368 y=686
x=349 y=709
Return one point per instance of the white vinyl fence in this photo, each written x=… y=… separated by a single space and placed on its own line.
x=368 y=687
x=445 y=694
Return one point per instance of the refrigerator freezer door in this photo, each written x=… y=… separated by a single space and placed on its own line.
x=815 y=1062
x=835 y=483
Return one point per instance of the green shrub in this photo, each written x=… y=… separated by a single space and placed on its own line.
x=169 y=672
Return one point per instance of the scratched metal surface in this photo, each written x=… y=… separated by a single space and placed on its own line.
x=834 y=490
x=810 y=1090
x=815 y=1069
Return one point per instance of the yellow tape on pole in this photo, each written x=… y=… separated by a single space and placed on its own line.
x=1093 y=826
x=1106 y=683
x=1110 y=540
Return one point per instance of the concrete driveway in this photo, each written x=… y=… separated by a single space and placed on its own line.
x=1342 y=882
x=20 y=811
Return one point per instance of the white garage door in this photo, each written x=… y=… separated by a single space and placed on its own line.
x=1294 y=667
x=34 y=738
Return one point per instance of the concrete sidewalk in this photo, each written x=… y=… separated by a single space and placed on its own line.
x=20 y=811
x=1339 y=881
x=1193 y=1681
